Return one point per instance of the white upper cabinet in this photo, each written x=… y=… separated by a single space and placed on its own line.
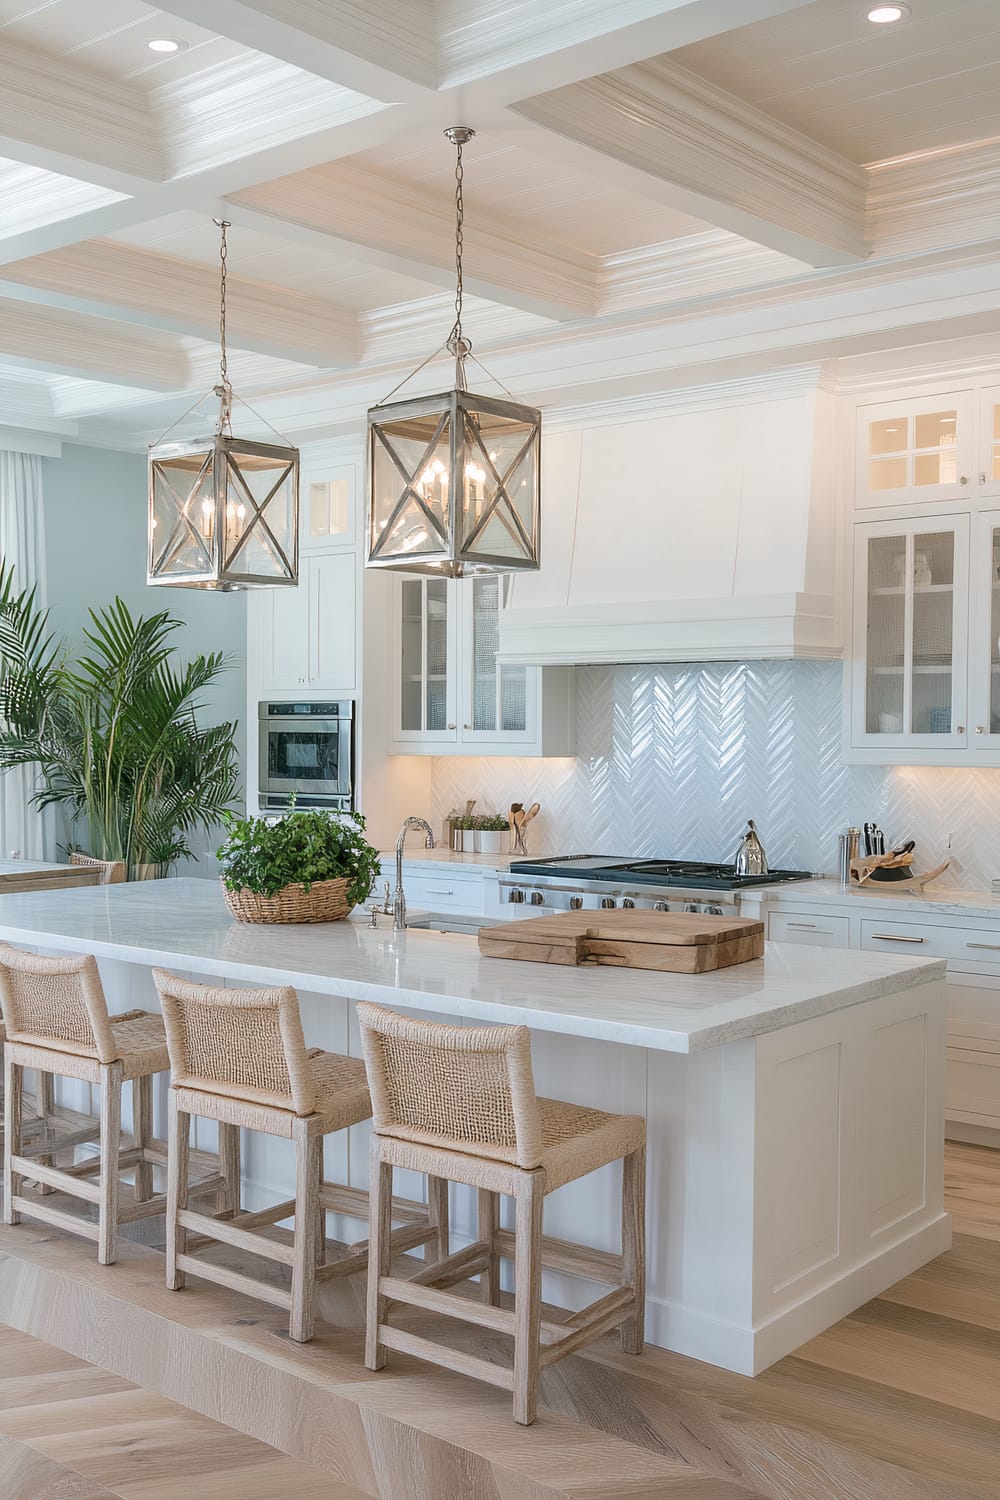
x=305 y=637
x=327 y=506
x=984 y=637
x=909 y=673
x=451 y=696
x=915 y=451
x=988 y=444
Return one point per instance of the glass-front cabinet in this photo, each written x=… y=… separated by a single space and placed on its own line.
x=450 y=693
x=984 y=635
x=915 y=451
x=911 y=636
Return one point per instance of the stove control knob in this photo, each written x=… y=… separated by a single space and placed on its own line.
x=661 y=905
x=628 y=904
x=712 y=910
x=516 y=895
x=537 y=899
x=608 y=903
x=692 y=906
x=575 y=903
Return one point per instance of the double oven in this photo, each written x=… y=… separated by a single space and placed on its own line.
x=306 y=752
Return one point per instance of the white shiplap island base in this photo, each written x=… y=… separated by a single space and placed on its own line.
x=794 y=1104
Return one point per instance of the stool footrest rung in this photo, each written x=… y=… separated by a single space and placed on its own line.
x=453 y=1268
x=38 y=1208
x=398 y=1289
x=465 y=1364
x=572 y=1260
x=227 y=1232
x=49 y=1145
x=560 y=1339
x=410 y=1237
x=145 y=1208
x=352 y=1202
x=56 y=1178
x=236 y=1282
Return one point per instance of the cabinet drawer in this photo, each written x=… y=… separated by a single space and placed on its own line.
x=439 y=893
x=969 y=944
x=972 y=1087
x=819 y=932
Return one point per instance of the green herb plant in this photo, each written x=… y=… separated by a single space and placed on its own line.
x=492 y=823
x=298 y=849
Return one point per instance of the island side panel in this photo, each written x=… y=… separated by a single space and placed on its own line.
x=849 y=1162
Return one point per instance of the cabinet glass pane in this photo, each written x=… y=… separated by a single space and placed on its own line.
x=994 y=726
x=995 y=443
x=891 y=436
x=935 y=468
x=933 y=611
x=935 y=429
x=436 y=591
x=886 y=627
x=412 y=654
x=513 y=699
x=485 y=643
x=329 y=508
x=887 y=474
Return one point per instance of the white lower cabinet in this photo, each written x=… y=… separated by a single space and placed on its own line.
x=453 y=888
x=817 y=932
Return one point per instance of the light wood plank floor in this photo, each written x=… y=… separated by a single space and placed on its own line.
x=72 y=1431
x=899 y=1401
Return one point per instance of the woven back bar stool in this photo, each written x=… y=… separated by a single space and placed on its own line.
x=112 y=871
x=56 y=1021
x=459 y=1103
x=238 y=1057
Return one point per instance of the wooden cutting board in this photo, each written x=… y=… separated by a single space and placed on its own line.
x=676 y=942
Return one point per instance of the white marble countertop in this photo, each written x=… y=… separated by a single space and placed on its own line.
x=940 y=899
x=184 y=924
x=29 y=866
x=433 y=859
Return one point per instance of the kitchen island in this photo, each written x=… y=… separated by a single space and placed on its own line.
x=794 y=1103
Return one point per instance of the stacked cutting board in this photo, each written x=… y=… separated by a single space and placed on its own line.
x=675 y=942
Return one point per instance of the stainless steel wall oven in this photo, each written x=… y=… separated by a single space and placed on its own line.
x=306 y=751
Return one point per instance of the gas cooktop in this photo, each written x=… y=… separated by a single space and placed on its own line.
x=665 y=872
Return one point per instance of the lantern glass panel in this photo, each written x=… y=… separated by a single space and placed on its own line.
x=411 y=485
x=183 y=509
x=501 y=486
x=259 y=504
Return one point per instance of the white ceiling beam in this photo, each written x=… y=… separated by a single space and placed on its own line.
x=511 y=52
x=109 y=279
x=64 y=343
x=403 y=229
x=665 y=132
x=56 y=115
x=385 y=51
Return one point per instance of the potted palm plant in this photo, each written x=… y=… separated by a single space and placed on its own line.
x=115 y=735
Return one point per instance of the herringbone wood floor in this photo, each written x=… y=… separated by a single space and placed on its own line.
x=900 y=1401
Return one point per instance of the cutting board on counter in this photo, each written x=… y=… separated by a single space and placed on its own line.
x=676 y=942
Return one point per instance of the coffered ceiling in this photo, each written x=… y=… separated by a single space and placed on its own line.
x=660 y=192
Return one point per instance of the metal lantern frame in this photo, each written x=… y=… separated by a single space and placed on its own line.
x=220 y=551
x=455 y=527
x=202 y=547
x=452 y=539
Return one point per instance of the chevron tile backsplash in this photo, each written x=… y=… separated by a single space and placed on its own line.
x=672 y=760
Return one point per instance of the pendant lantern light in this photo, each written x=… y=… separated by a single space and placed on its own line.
x=453 y=479
x=223 y=511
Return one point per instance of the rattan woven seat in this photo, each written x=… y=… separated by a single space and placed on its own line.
x=459 y=1103
x=238 y=1057
x=56 y=1020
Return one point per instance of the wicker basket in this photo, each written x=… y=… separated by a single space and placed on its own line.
x=325 y=901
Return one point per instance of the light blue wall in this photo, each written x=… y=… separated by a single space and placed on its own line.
x=95 y=522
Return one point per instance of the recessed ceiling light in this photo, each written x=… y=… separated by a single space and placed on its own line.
x=166 y=44
x=883 y=15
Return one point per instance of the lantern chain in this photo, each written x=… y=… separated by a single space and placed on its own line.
x=457 y=343
x=224 y=389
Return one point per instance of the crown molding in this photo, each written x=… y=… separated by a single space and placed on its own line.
x=771 y=385
x=699 y=265
x=111 y=279
x=927 y=203
x=723 y=160
x=60 y=116
x=413 y=231
x=412 y=330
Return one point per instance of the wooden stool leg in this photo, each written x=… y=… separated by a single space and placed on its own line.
x=178 y=1173
x=45 y=1104
x=111 y=1145
x=308 y=1164
x=437 y=1212
x=229 y=1198
x=13 y=1083
x=528 y=1206
x=489 y=1223
x=379 y=1255
x=142 y=1130
x=633 y=1330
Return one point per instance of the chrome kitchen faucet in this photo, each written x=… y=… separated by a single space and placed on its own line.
x=399 y=900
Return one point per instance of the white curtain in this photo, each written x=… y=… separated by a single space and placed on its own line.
x=22 y=543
